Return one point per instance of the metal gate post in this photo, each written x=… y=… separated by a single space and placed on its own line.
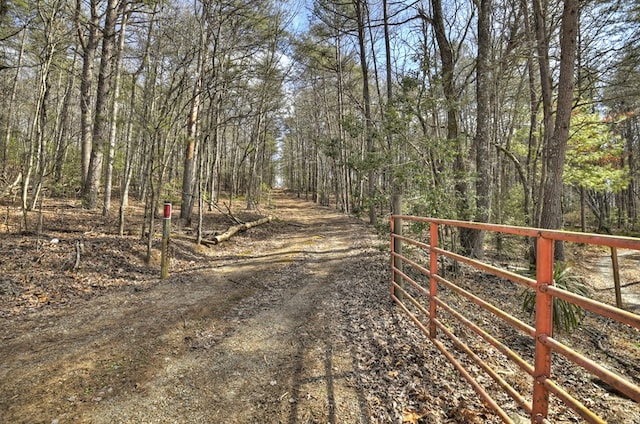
x=433 y=283
x=544 y=327
x=393 y=258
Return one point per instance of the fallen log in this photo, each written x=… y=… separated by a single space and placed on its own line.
x=217 y=238
x=203 y=241
x=238 y=228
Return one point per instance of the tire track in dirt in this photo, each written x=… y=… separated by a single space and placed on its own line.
x=277 y=363
x=241 y=341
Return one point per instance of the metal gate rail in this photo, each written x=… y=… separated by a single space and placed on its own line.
x=542 y=333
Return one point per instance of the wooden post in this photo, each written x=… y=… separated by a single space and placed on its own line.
x=166 y=232
x=616 y=276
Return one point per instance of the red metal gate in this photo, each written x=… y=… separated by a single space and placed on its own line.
x=430 y=305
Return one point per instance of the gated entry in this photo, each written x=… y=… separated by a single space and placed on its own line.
x=422 y=302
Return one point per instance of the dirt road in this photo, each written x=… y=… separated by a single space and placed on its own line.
x=257 y=333
x=630 y=286
x=290 y=322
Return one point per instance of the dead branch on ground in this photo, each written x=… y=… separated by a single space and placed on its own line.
x=217 y=238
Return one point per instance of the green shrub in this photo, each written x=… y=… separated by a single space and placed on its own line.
x=566 y=315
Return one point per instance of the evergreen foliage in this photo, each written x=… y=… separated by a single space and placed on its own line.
x=566 y=315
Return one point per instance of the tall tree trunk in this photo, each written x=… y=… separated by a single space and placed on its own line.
x=89 y=44
x=149 y=209
x=542 y=48
x=483 y=122
x=12 y=100
x=128 y=159
x=200 y=183
x=193 y=127
x=113 y=112
x=40 y=162
x=214 y=176
x=631 y=198
x=188 y=178
x=35 y=162
x=39 y=136
x=344 y=168
x=130 y=153
x=396 y=183
x=360 y=9
x=64 y=133
x=551 y=216
x=534 y=103
x=451 y=95
x=101 y=117
x=253 y=188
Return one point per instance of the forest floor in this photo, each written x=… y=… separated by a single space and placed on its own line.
x=289 y=322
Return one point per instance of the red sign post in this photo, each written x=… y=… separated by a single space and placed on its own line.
x=166 y=233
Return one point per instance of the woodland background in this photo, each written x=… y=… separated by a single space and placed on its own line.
x=519 y=112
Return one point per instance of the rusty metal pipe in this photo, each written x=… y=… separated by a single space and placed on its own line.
x=609 y=377
x=572 y=402
x=412 y=300
x=594 y=306
x=515 y=322
x=543 y=385
x=620 y=242
x=406 y=239
x=512 y=276
x=462 y=370
x=410 y=281
x=544 y=326
x=433 y=283
x=504 y=349
x=414 y=264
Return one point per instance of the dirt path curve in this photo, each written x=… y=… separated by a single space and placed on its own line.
x=257 y=334
x=629 y=284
